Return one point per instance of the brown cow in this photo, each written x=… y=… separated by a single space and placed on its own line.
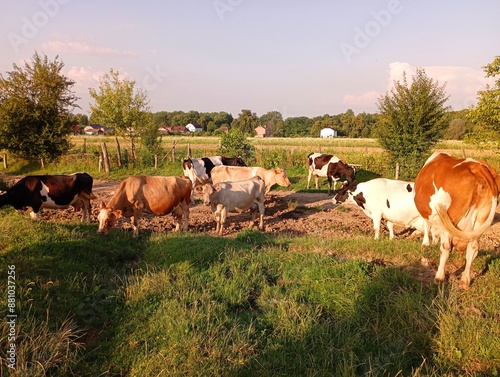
x=459 y=198
x=158 y=195
x=238 y=173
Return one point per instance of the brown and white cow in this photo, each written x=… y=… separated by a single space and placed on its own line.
x=199 y=169
x=237 y=173
x=236 y=196
x=51 y=191
x=154 y=194
x=458 y=197
x=387 y=199
x=329 y=166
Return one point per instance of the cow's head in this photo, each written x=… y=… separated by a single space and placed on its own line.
x=106 y=218
x=344 y=192
x=207 y=191
x=350 y=173
x=281 y=177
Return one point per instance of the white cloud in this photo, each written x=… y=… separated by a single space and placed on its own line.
x=65 y=44
x=461 y=84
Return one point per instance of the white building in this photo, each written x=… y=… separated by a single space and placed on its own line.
x=328 y=132
x=194 y=127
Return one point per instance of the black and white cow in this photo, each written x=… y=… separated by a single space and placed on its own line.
x=329 y=166
x=198 y=169
x=51 y=191
x=387 y=199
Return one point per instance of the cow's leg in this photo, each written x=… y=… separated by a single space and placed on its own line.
x=33 y=215
x=445 y=249
x=472 y=249
x=185 y=212
x=136 y=220
x=218 y=216
x=86 y=210
x=376 y=224
x=309 y=176
x=261 y=213
x=390 y=226
x=425 y=241
x=329 y=178
x=223 y=217
x=316 y=180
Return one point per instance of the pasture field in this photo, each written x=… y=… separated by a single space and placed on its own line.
x=314 y=295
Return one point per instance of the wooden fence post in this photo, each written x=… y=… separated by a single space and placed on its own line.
x=397 y=171
x=189 y=150
x=173 y=150
x=84 y=145
x=156 y=161
x=105 y=157
x=118 y=152
x=100 y=162
x=5 y=164
x=463 y=153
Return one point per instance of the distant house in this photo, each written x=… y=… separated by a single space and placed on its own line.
x=328 y=132
x=95 y=129
x=173 y=130
x=194 y=127
x=163 y=130
x=262 y=131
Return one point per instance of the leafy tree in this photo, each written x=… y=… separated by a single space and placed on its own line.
x=414 y=118
x=273 y=120
x=246 y=122
x=119 y=105
x=234 y=143
x=486 y=114
x=34 y=109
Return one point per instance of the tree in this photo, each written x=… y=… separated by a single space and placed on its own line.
x=413 y=119
x=119 y=105
x=246 y=122
x=273 y=120
x=486 y=114
x=35 y=103
x=234 y=143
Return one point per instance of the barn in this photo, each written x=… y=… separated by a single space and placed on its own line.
x=328 y=132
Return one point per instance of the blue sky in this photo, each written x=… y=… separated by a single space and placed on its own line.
x=301 y=58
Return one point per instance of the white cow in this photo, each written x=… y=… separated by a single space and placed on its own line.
x=387 y=199
x=238 y=173
x=236 y=196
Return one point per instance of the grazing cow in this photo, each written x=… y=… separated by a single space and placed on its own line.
x=458 y=197
x=387 y=199
x=239 y=173
x=199 y=169
x=329 y=166
x=158 y=195
x=51 y=191
x=236 y=196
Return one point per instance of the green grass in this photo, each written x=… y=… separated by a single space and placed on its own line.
x=254 y=305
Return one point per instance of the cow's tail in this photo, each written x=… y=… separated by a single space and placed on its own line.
x=451 y=228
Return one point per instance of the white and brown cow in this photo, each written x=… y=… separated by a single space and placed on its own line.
x=237 y=173
x=329 y=166
x=52 y=192
x=458 y=197
x=236 y=196
x=199 y=169
x=386 y=199
x=154 y=194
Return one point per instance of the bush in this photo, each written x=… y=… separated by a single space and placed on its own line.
x=234 y=144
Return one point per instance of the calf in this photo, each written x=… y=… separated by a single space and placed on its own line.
x=238 y=173
x=199 y=169
x=329 y=166
x=236 y=196
x=458 y=197
x=387 y=199
x=158 y=195
x=51 y=191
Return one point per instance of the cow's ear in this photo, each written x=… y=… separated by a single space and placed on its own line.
x=117 y=212
x=102 y=205
x=218 y=188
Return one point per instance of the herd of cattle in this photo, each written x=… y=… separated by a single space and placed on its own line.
x=452 y=199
